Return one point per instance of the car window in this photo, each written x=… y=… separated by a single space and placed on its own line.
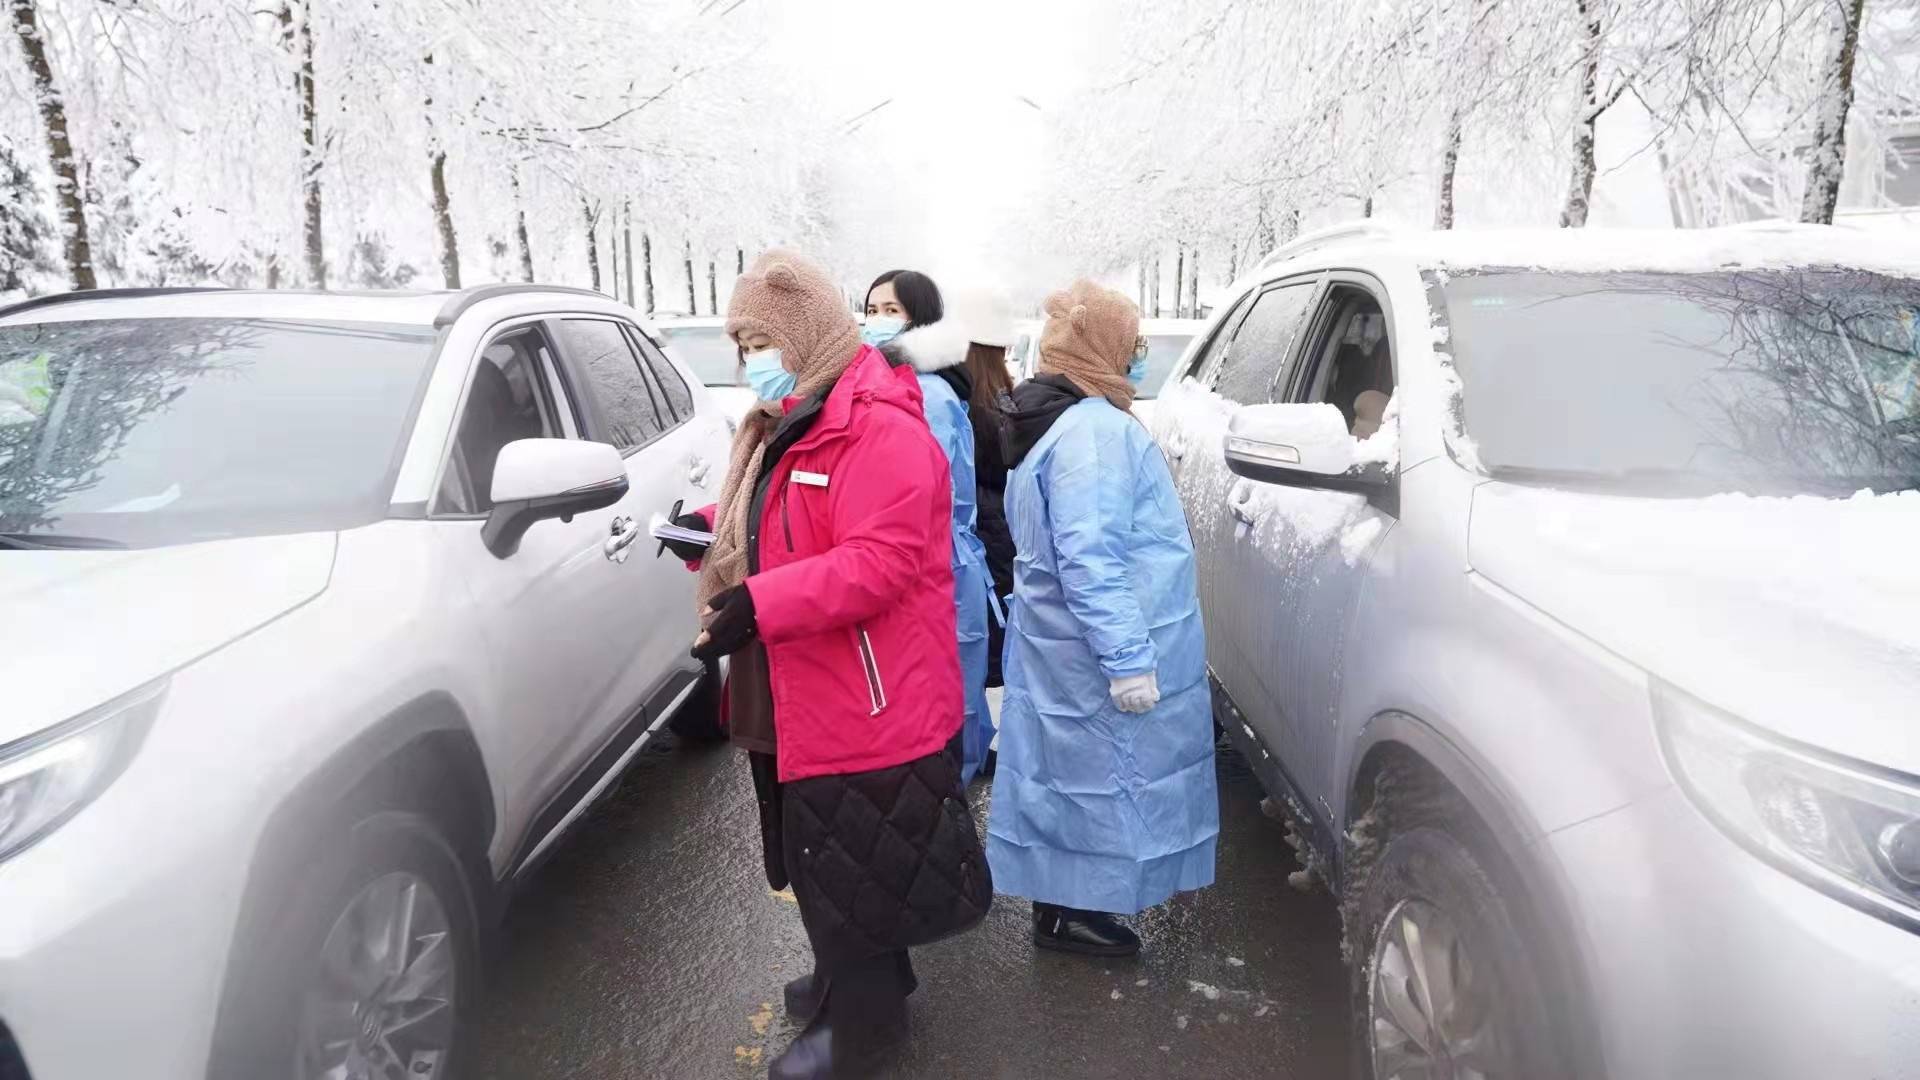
x=508 y=399
x=1255 y=358
x=631 y=410
x=1163 y=351
x=1350 y=361
x=712 y=355
x=148 y=432
x=667 y=377
x=1209 y=354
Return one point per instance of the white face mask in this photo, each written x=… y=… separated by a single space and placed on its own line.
x=880 y=329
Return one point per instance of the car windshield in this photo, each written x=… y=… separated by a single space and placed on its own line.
x=1765 y=382
x=712 y=355
x=141 y=432
x=1163 y=351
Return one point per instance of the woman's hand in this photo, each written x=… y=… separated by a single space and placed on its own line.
x=1134 y=693
x=730 y=625
x=682 y=550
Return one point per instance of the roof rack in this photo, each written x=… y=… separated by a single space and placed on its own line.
x=459 y=303
x=1365 y=229
x=102 y=294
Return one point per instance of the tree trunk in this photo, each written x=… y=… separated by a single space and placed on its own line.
x=1153 y=291
x=593 y=243
x=298 y=35
x=739 y=261
x=1263 y=234
x=613 y=254
x=1580 y=185
x=713 y=288
x=273 y=271
x=1233 y=262
x=693 y=303
x=626 y=233
x=520 y=227
x=1193 y=285
x=1827 y=160
x=1366 y=206
x=53 y=119
x=1290 y=226
x=1179 y=278
x=442 y=205
x=1449 y=165
x=646 y=272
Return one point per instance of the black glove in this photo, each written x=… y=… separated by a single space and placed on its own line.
x=682 y=550
x=732 y=625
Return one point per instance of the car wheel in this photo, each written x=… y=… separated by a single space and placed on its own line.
x=374 y=966
x=699 y=717
x=1444 y=986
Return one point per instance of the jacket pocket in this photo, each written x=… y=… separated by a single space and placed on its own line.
x=786 y=523
x=870 y=667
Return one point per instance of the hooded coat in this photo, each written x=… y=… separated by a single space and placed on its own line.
x=1094 y=808
x=938 y=353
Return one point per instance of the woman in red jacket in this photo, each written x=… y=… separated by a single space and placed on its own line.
x=829 y=582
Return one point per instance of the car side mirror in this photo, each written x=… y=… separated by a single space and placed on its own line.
x=1300 y=446
x=537 y=479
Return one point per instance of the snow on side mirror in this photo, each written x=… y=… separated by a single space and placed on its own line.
x=1299 y=446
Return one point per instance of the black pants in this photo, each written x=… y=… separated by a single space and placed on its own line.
x=867 y=1004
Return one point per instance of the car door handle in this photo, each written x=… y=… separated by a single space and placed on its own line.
x=1240 y=503
x=625 y=532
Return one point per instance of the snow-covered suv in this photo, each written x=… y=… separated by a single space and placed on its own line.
x=1567 y=587
x=321 y=617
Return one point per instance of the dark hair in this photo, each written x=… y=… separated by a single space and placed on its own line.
x=917 y=293
x=988 y=366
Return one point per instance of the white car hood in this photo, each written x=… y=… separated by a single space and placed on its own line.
x=82 y=627
x=1801 y=615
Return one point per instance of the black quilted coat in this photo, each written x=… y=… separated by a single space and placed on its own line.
x=880 y=860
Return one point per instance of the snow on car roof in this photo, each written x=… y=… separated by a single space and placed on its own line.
x=1766 y=245
x=377 y=307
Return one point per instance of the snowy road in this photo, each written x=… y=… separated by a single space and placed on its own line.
x=651 y=947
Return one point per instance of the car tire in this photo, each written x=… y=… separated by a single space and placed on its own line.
x=313 y=984
x=1432 y=934
x=699 y=717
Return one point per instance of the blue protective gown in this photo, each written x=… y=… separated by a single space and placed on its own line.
x=1094 y=808
x=947 y=416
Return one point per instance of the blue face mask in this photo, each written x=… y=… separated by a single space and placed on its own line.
x=1137 y=370
x=880 y=329
x=769 y=380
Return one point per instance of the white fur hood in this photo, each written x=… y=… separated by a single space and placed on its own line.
x=935 y=346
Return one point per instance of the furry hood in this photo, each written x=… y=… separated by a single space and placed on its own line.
x=933 y=347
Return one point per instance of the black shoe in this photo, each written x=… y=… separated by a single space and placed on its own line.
x=808 y=1057
x=803 y=997
x=1089 y=933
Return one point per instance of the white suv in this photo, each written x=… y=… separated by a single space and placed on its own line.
x=1567 y=585
x=324 y=616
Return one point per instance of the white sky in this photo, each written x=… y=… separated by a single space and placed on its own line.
x=957 y=148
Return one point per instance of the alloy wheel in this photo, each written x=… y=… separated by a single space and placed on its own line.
x=1430 y=1007
x=381 y=1005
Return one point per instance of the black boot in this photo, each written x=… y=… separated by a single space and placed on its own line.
x=1089 y=933
x=808 y=1057
x=803 y=997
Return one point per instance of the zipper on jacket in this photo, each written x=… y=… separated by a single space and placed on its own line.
x=786 y=526
x=876 y=692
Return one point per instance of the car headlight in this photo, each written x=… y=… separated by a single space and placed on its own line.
x=47 y=777
x=1846 y=827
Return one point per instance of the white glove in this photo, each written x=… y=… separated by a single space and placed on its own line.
x=1134 y=693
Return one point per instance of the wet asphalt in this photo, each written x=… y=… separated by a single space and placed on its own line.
x=649 y=946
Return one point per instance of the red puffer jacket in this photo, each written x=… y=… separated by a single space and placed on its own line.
x=854 y=594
